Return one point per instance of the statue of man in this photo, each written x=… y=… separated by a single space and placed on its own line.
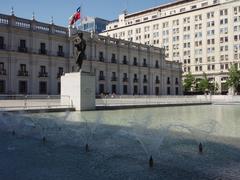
x=81 y=47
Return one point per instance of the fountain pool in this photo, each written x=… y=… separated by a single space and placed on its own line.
x=120 y=143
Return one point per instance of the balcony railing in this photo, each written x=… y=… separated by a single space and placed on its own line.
x=22 y=49
x=125 y=79
x=144 y=65
x=101 y=78
x=113 y=60
x=124 y=62
x=3 y=72
x=43 y=51
x=114 y=79
x=135 y=63
x=157 y=81
x=101 y=59
x=43 y=74
x=3 y=46
x=59 y=74
x=22 y=73
x=135 y=80
x=156 y=66
x=145 y=81
x=60 y=54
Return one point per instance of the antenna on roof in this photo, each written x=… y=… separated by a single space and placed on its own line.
x=52 y=22
x=33 y=16
x=125 y=11
x=12 y=11
x=125 y=8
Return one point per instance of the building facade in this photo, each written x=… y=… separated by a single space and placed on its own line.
x=93 y=24
x=202 y=34
x=34 y=55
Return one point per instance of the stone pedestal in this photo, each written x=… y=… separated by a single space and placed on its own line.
x=80 y=87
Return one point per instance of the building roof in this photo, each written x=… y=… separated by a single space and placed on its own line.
x=158 y=8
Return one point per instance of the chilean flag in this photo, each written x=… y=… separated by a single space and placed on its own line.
x=76 y=16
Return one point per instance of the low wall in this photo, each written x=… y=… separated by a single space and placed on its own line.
x=150 y=101
x=220 y=98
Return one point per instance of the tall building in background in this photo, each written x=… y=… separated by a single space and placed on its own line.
x=202 y=34
x=93 y=24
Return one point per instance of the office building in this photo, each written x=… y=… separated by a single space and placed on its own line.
x=201 y=34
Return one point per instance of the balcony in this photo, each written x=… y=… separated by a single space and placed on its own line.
x=22 y=73
x=125 y=79
x=114 y=79
x=3 y=72
x=43 y=74
x=156 y=66
x=157 y=81
x=43 y=51
x=135 y=80
x=145 y=81
x=144 y=65
x=124 y=62
x=59 y=74
x=60 y=54
x=101 y=58
x=3 y=46
x=101 y=78
x=113 y=60
x=22 y=49
x=135 y=63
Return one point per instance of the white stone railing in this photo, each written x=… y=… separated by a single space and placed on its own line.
x=32 y=24
x=3 y=20
x=109 y=101
x=22 y=24
x=31 y=102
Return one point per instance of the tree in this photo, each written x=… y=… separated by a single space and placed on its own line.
x=204 y=84
x=214 y=87
x=234 y=77
x=188 y=82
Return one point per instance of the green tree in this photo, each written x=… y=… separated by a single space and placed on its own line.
x=204 y=84
x=188 y=82
x=234 y=77
x=214 y=87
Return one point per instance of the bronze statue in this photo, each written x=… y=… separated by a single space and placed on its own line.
x=81 y=47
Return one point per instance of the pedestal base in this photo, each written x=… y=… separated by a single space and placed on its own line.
x=80 y=87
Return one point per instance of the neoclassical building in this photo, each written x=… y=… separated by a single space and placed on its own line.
x=204 y=35
x=34 y=55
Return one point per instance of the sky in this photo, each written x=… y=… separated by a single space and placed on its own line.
x=61 y=10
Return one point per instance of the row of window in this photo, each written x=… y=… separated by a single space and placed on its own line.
x=23 y=71
x=136 y=90
x=23 y=48
x=197 y=17
x=23 y=87
x=222 y=12
x=210 y=67
x=176 y=30
x=135 y=78
x=125 y=61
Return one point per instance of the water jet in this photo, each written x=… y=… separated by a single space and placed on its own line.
x=150 y=162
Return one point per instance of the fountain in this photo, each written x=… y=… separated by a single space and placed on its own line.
x=159 y=143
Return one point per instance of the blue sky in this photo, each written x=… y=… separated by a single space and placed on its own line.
x=61 y=10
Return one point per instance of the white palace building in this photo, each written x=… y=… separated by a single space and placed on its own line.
x=204 y=35
x=34 y=55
